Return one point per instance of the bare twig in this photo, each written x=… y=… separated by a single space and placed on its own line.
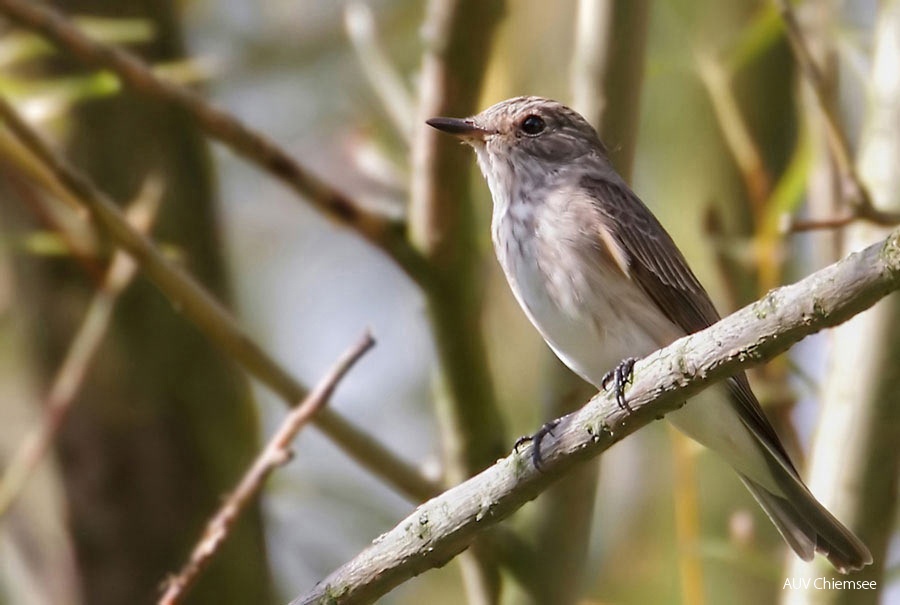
x=874 y=216
x=743 y=147
x=796 y=225
x=854 y=463
x=383 y=76
x=441 y=528
x=855 y=193
x=216 y=322
x=276 y=453
x=74 y=368
x=608 y=72
x=687 y=516
x=457 y=36
x=382 y=232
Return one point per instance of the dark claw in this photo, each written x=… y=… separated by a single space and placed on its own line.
x=620 y=376
x=536 y=439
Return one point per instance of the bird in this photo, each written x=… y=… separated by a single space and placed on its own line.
x=603 y=282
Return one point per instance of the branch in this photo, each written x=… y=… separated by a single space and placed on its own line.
x=382 y=74
x=457 y=35
x=854 y=461
x=606 y=76
x=736 y=132
x=276 y=453
x=855 y=192
x=80 y=355
x=457 y=38
x=444 y=526
x=380 y=231
x=213 y=319
x=607 y=72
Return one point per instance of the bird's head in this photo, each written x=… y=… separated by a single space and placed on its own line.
x=524 y=137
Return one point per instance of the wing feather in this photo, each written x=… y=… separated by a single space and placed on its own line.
x=658 y=267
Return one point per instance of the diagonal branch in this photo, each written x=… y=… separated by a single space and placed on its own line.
x=70 y=376
x=856 y=194
x=276 y=453
x=382 y=232
x=212 y=318
x=457 y=35
x=444 y=526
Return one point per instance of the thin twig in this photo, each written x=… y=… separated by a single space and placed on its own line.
x=853 y=460
x=443 y=527
x=606 y=76
x=744 y=148
x=795 y=225
x=383 y=76
x=855 y=193
x=687 y=516
x=457 y=37
x=276 y=453
x=70 y=376
x=379 y=230
x=212 y=318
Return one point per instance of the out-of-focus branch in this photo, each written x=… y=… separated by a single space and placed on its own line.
x=855 y=193
x=383 y=76
x=70 y=376
x=606 y=78
x=737 y=134
x=457 y=36
x=382 y=232
x=441 y=528
x=687 y=516
x=824 y=189
x=276 y=453
x=762 y=270
x=608 y=72
x=211 y=318
x=854 y=461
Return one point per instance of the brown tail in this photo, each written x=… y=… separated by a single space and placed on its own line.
x=807 y=527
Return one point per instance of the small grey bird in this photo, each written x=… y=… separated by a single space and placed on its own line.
x=602 y=281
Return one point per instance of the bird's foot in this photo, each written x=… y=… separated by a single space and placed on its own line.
x=620 y=376
x=536 y=442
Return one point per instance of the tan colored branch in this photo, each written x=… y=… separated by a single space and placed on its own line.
x=276 y=453
x=70 y=376
x=445 y=526
x=221 y=125
x=854 y=464
x=382 y=74
x=213 y=319
x=736 y=132
x=607 y=74
x=457 y=36
x=856 y=194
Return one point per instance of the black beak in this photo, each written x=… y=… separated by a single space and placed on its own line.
x=462 y=128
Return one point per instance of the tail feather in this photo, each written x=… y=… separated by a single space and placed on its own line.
x=808 y=527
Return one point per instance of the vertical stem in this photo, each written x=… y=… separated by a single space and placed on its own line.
x=854 y=461
x=457 y=35
x=607 y=73
x=687 y=518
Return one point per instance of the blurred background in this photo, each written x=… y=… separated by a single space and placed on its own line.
x=704 y=109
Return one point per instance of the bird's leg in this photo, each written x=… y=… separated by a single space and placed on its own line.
x=536 y=442
x=620 y=376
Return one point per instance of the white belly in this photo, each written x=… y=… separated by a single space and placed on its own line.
x=589 y=314
x=593 y=318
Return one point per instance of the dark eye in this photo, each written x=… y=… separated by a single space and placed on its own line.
x=533 y=125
